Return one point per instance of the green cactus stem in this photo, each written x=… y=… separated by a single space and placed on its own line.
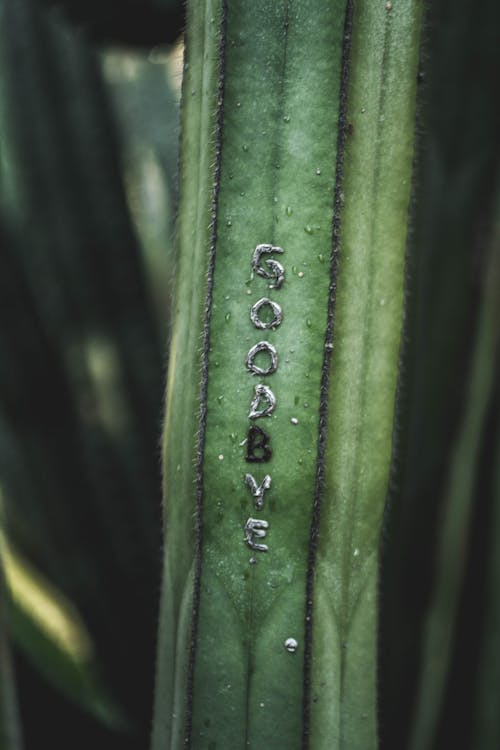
x=296 y=163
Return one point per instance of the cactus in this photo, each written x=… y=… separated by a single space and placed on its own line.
x=296 y=154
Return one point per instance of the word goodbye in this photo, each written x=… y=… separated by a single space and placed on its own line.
x=263 y=402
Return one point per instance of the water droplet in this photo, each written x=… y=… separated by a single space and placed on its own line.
x=229 y=223
x=294 y=420
x=245 y=147
x=216 y=364
x=221 y=457
x=306 y=405
x=300 y=462
x=356 y=552
x=233 y=436
x=261 y=705
x=291 y=645
x=294 y=269
x=382 y=302
x=249 y=291
x=286 y=118
x=238 y=104
x=252 y=561
x=318 y=171
x=227 y=317
x=289 y=210
x=300 y=274
x=220 y=399
x=309 y=322
x=321 y=258
x=275 y=199
x=308 y=229
x=242 y=193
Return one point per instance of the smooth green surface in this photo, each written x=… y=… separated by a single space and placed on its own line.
x=283 y=63
x=183 y=387
x=368 y=316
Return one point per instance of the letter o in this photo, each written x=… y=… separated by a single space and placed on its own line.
x=277 y=312
x=262 y=346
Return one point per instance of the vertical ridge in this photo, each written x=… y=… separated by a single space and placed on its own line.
x=204 y=380
x=329 y=334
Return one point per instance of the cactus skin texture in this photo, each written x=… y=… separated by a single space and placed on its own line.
x=298 y=126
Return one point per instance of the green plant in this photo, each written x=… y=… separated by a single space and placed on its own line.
x=352 y=146
x=313 y=114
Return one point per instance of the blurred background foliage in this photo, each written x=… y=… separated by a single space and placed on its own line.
x=88 y=149
x=88 y=158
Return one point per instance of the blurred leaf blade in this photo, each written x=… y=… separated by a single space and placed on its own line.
x=486 y=720
x=10 y=727
x=49 y=630
x=457 y=509
x=456 y=173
